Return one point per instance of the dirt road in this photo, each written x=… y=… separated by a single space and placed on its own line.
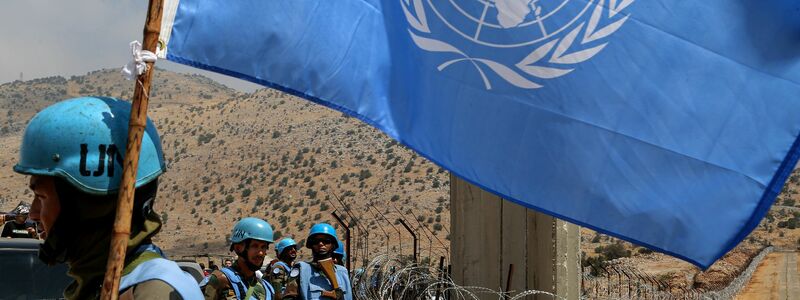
x=778 y=277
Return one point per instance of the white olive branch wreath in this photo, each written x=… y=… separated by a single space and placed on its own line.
x=558 y=50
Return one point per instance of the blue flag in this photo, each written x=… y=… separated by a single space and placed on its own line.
x=672 y=124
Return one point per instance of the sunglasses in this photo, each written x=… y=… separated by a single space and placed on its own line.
x=321 y=240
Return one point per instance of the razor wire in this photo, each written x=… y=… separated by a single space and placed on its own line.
x=395 y=278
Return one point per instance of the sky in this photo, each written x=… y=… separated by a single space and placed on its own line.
x=41 y=38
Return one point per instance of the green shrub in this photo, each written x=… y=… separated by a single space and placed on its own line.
x=645 y=251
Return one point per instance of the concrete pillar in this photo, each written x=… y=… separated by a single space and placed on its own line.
x=488 y=234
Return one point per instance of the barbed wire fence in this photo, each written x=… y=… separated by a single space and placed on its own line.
x=394 y=275
x=614 y=280
x=740 y=281
x=397 y=278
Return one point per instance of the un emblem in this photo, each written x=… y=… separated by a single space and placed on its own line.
x=554 y=35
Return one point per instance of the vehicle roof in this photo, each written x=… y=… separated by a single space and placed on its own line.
x=192 y=268
x=19 y=244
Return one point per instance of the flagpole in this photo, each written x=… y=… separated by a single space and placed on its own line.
x=136 y=127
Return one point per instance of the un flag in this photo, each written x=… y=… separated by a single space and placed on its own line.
x=668 y=123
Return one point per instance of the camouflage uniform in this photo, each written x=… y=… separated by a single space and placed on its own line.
x=218 y=286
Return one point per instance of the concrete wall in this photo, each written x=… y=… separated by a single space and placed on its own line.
x=488 y=234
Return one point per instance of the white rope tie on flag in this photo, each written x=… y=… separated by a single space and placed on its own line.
x=138 y=65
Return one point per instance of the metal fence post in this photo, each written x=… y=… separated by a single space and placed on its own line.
x=346 y=238
x=413 y=235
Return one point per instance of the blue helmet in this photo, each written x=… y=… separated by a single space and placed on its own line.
x=83 y=141
x=251 y=228
x=322 y=228
x=340 y=250
x=283 y=244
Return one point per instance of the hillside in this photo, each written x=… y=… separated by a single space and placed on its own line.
x=262 y=154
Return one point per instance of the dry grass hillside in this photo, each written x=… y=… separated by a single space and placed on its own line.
x=263 y=154
x=271 y=155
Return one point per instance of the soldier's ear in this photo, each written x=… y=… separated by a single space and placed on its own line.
x=238 y=247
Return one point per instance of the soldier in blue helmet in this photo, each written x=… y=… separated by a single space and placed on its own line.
x=278 y=272
x=339 y=255
x=320 y=278
x=250 y=241
x=73 y=152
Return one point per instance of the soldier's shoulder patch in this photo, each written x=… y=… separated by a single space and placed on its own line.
x=294 y=272
x=277 y=271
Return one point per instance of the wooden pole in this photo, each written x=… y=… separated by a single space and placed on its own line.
x=138 y=122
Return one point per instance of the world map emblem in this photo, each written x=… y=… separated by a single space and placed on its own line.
x=554 y=35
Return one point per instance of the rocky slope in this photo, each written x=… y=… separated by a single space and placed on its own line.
x=262 y=154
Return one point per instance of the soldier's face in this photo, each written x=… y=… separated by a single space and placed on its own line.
x=291 y=252
x=321 y=244
x=257 y=251
x=46 y=206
